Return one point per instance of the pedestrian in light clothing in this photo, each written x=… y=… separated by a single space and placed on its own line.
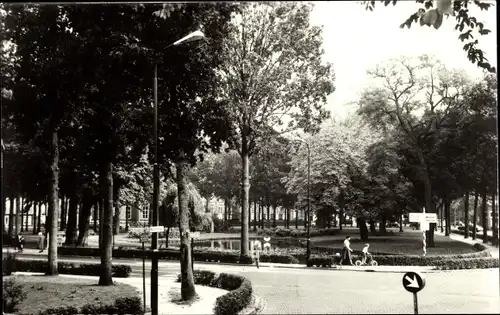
x=346 y=251
x=256 y=251
x=41 y=242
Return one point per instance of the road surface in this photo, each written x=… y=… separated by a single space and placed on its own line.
x=307 y=291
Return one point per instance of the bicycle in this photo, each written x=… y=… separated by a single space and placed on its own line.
x=369 y=261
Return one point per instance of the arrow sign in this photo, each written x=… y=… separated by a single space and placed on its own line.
x=413 y=282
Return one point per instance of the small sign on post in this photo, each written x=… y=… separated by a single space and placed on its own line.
x=156 y=229
x=413 y=282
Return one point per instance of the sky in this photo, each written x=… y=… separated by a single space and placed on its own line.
x=355 y=40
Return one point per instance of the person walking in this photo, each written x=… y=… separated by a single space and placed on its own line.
x=256 y=252
x=20 y=242
x=346 y=251
x=41 y=242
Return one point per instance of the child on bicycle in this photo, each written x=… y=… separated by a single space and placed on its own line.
x=366 y=254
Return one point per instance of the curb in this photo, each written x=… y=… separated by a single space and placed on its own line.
x=256 y=306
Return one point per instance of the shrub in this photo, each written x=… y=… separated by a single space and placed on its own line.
x=220 y=226
x=468 y=263
x=119 y=271
x=231 y=303
x=129 y=305
x=63 y=310
x=8 y=264
x=12 y=295
x=236 y=300
x=284 y=232
x=279 y=258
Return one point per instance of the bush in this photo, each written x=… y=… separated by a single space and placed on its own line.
x=231 y=303
x=468 y=263
x=279 y=258
x=121 y=306
x=220 y=226
x=237 y=299
x=63 y=310
x=119 y=271
x=8 y=264
x=12 y=295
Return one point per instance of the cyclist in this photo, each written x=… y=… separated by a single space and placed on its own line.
x=365 y=253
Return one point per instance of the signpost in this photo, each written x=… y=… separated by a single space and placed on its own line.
x=193 y=236
x=144 y=238
x=413 y=282
x=424 y=219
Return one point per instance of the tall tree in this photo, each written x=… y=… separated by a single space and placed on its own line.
x=273 y=72
x=406 y=87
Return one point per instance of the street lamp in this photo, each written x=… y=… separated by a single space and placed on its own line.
x=194 y=36
x=308 y=253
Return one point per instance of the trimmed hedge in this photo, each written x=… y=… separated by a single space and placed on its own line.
x=119 y=271
x=122 y=306
x=231 y=303
x=468 y=263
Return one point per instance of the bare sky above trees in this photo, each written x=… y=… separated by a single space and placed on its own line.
x=356 y=40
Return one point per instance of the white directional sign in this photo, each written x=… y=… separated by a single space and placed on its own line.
x=423 y=217
x=413 y=282
x=156 y=229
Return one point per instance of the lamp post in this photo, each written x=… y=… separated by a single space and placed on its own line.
x=194 y=36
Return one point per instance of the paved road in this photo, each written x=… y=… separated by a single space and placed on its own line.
x=306 y=291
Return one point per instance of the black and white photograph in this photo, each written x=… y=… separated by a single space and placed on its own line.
x=260 y=157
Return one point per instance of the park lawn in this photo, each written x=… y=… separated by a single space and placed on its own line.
x=46 y=292
x=408 y=243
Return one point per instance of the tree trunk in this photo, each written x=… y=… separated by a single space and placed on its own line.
x=39 y=223
x=127 y=211
x=383 y=223
x=72 y=228
x=363 y=230
x=33 y=222
x=441 y=216
x=245 y=180
x=166 y=236
x=447 y=216
x=11 y=216
x=297 y=219
x=494 y=217
x=306 y=217
x=27 y=210
x=96 y=212
x=466 y=214
x=188 y=291
x=64 y=213
x=274 y=216
x=106 y=226
x=429 y=205
x=474 y=215
x=225 y=209
x=18 y=215
x=484 y=215
x=288 y=218
x=268 y=216
x=22 y=215
x=84 y=220
x=53 y=206
x=372 y=226
x=401 y=223
x=255 y=216
x=116 y=225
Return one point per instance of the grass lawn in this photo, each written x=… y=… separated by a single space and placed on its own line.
x=408 y=242
x=51 y=292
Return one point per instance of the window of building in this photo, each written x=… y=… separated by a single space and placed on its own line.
x=129 y=213
x=145 y=212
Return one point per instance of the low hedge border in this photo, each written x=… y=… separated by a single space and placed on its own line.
x=119 y=271
x=468 y=263
x=231 y=303
x=122 y=306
